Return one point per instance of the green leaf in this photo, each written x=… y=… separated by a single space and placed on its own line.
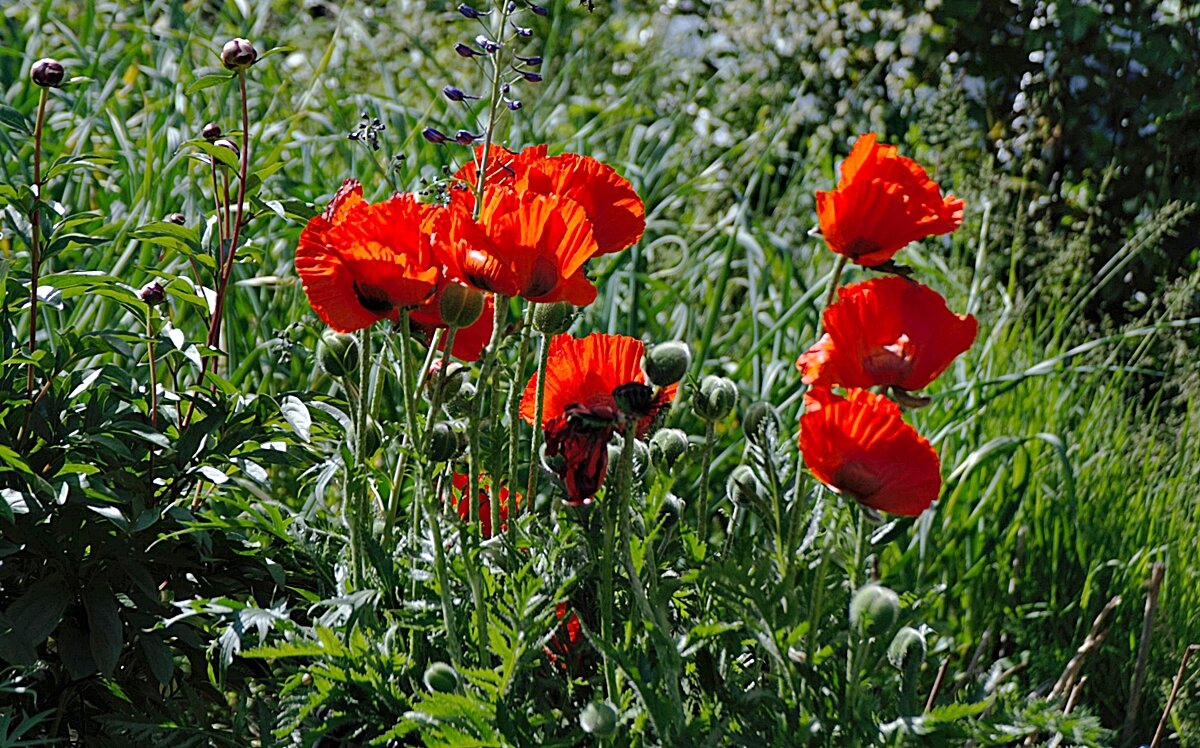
x=105 y=632
x=208 y=81
x=219 y=153
x=297 y=415
x=12 y=503
x=65 y=164
x=36 y=614
x=15 y=120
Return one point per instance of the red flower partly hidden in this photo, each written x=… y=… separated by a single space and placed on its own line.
x=469 y=341
x=883 y=202
x=593 y=385
x=562 y=647
x=461 y=484
x=361 y=263
x=860 y=445
x=887 y=331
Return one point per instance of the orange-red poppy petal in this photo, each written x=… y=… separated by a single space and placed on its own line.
x=615 y=210
x=584 y=371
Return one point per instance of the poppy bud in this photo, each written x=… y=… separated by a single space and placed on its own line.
x=463 y=402
x=907 y=648
x=441 y=678
x=874 y=609
x=641 y=458
x=435 y=136
x=453 y=381
x=742 y=486
x=666 y=447
x=238 y=54
x=337 y=353
x=716 y=398
x=444 y=443
x=599 y=719
x=553 y=319
x=666 y=363
x=153 y=293
x=761 y=424
x=460 y=306
x=47 y=73
x=210 y=131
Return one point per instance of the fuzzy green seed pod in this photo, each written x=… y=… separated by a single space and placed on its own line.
x=667 y=363
x=907 y=647
x=553 y=319
x=598 y=718
x=47 y=73
x=238 y=54
x=456 y=375
x=874 y=609
x=444 y=443
x=742 y=486
x=463 y=402
x=441 y=677
x=666 y=447
x=337 y=353
x=716 y=398
x=460 y=306
x=761 y=423
x=374 y=438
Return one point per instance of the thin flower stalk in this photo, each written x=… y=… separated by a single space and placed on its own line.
x=35 y=237
x=535 y=440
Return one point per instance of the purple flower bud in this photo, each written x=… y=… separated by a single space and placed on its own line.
x=466 y=50
x=238 y=54
x=435 y=136
x=538 y=10
x=457 y=94
x=153 y=293
x=211 y=131
x=523 y=31
x=513 y=104
x=534 y=61
x=470 y=12
x=528 y=75
x=488 y=45
x=464 y=137
x=511 y=7
x=226 y=143
x=47 y=73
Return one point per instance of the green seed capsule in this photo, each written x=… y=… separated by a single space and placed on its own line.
x=716 y=398
x=874 y=609
x=441 y=677
x=599 y=719
x=337 y=353
x=667 y=363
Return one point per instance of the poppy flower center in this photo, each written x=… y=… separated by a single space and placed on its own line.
x=857 y=479
x=891 y=363
x=372 y=298
x=543 y=277
x=862 y=246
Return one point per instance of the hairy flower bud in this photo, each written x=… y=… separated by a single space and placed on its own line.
x=211 y=131
x=599 y=719
x=238 y=54
x=666 y=363
x=761 y=423
x=153 y=293
x=716 y=398
x=441 y=677
x=463 y=402
x=554 y=318
x=453 y=381
x=874 y=609
x=47 y=73
x=908 y=647
x=444 y=443
x=460 y=306
x=742 y=486
x=337 y=353
x=666 y=447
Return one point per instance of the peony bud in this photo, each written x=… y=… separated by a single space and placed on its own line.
x=599 y=719
x=238 y=54
x=666 y=447
x=47 y=73
x=337 y=353
x=874 y=609
x=441 y=678
x=153 y=293
x=555 y=318
x=210 y=131
x=460 y=306
x=716 y=398
x=667 y=363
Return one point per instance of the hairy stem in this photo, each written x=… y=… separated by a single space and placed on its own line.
x=535 y=440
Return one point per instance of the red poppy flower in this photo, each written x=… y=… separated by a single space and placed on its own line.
x=617 y=214
x=527 y=245
x=561 y=649
x=461 y=485
x=887 y=331
x=590 y=384
x=469 y=341
x=883 y=202
x=361 y=262
x=860 y=445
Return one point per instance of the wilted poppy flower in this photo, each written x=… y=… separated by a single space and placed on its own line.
x=461 y=485
x=883 y=202
x=361 y=262
x=860 y=445
x=593 y=385
x=527 y=245
x=617 y=214
x=469 y=341
x=887 y=331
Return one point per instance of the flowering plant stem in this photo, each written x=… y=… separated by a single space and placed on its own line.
x=514 y=418
x=831 y=295
x=356 y=505
x=702 y=499
x=535 y=440
x=35 y=238
x=856 y=638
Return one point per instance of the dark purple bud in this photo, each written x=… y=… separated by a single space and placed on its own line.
x=226 y=143
x=238 y=54
x=470 y=12
x=464 y=137
x=511 y=7
x=177 y=218
x=488 y=45
x=153 y=293
x=534 y=61
x=466 y=50
x=457 y=94
x=528 y=75
x=538 y=10
x=47 y=73
x=523 y=31
x=435 y=136
x=513 y=104
x=211 y=131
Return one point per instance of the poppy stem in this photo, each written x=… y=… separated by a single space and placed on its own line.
x=355 y=503
x=514 y=411
x=702 y=499
x=153 y=386
x=854 y=652
x=831 y=294
x=535 y=440
x=606 y=562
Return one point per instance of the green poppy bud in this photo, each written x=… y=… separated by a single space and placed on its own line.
x=441 y=678
x=908 y=647
x=337 y=353
x=666 y=447
x=444 y=443
x=716 y=398
x=599 y=719
x=463 y=402
x=761 y=423
x=742 y=486
x=874 y=609
x=460 y=306
x=667 y=363
x=552 y=319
